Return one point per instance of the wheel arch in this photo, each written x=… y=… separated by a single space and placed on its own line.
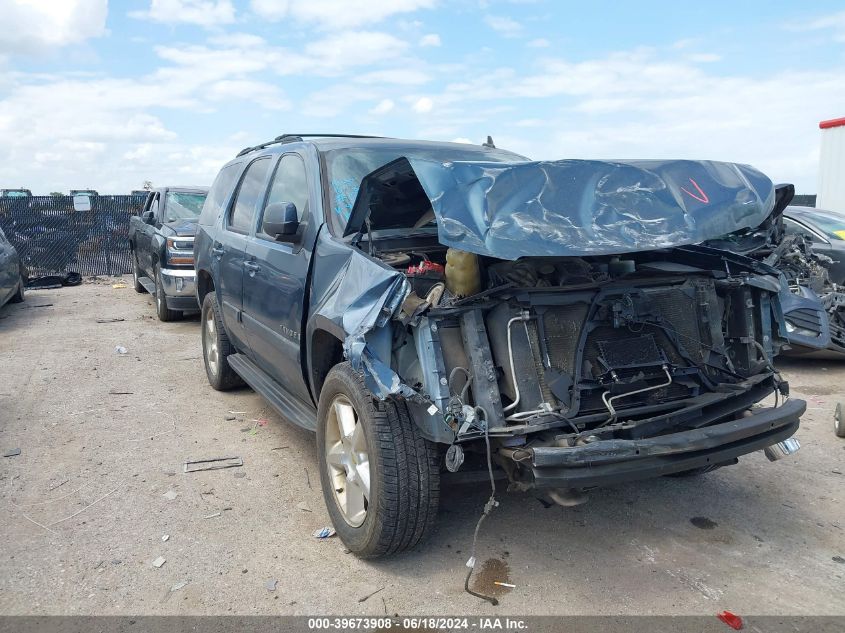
x=205 y=284
x=326 y=351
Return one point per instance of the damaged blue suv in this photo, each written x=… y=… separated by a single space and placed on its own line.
x=432 y=308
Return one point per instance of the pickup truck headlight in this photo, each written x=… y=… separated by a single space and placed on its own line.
x=180 y=251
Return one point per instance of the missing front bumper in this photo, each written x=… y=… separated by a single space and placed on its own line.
x=609 y=462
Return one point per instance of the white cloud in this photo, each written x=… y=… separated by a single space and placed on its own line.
x=423 y=105
x=266 y=95
x=28 y=26
x=431 y=39
x=205 y=13
x=383 y=107
x=240 y=54
x=641 y=104
x=834 y=22
x=104 y=125
x=334 y=14
x=704 y=58
x=353 y=48
x=540 y=42
x=394 y=76
x=508 y=27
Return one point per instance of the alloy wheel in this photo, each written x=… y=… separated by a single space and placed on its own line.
x=210 y=336
x=347 y=461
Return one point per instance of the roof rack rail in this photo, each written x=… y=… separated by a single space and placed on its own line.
x=293 y=138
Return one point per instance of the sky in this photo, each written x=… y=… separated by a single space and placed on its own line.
x=108 y=94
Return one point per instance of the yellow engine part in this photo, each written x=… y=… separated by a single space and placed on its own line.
x=463 y=277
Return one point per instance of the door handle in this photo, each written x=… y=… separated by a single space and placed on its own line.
x=252 y=268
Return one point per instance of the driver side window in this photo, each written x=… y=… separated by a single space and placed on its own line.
x=290 y=184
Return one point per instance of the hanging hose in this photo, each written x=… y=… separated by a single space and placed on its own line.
x=524 y=316
x=488 y=508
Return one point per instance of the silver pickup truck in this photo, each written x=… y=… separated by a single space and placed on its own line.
x=161 y=244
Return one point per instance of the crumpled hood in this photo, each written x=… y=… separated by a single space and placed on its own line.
x=570 y=207
x=180 y=228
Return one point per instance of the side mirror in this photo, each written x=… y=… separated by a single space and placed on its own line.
x=281 y=221
x=148 y=217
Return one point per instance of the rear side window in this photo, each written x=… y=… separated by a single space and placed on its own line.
x=219 y=193
x=251 y=189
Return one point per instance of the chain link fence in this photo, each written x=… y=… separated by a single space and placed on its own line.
x=52 y=235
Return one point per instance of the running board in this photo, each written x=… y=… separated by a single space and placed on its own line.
x=149 y=285
x=290 y=408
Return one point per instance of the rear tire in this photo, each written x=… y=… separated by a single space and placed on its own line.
x=18 y=297
x=372 y=450
x=164 y=313
x=216 y=347
x=136 y=275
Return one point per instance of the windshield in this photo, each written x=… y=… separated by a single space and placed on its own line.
x=183 y=206
x=17 y=194
x=830 y=223
x=347 y=167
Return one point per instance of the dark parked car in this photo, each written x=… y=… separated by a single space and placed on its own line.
x=12 y=275
x=429 y=307
x=826 y=229
x=806 y=245
x=161 y=243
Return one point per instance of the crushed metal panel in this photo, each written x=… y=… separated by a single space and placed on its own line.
x=362 y=297
x=574 y=207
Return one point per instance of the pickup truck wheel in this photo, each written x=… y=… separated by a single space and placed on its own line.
x=164 y=313
x=380 y=477
x=136 y=275
x=216 y=347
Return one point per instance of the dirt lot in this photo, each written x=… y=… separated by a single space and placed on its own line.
x=103 y=436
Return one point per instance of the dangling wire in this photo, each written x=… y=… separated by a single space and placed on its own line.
x=488 y=508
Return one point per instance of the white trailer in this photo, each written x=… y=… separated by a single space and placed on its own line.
x=831 y=194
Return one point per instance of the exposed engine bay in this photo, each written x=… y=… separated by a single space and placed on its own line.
x=586 y=364
x=569 y=351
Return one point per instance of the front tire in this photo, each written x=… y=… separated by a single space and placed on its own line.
x=216 y=347
x=164 y=313
x=380 y=477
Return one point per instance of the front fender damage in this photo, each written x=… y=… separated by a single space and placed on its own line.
x=361 y=301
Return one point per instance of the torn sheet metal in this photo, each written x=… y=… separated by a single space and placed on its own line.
x=576 y=207
x=357 y=301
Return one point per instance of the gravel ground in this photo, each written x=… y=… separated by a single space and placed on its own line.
x=99 y=484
